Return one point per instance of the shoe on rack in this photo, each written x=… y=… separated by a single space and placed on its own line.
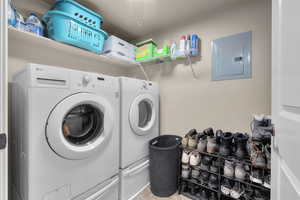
x=207 y=160
x=249 y=192
x=195 y=173
x=213 y=196
x=261 y=128
x=240 y=172
x=226 y=187
x=226 y=144
x=209 y=132
x=185 y=157
x=267 y=181
x=219 y=134
x=202 y=144
x=204 y=177
x=185 y=171
x=267 y=151
x=229 y=169
x=213 y=181
x=214 y=168
x=237 y=191
x=258 y=195
x=257 y=157
x=240 y=141
x=192 y=139
x=195 y=158
x=212 y=146
x=256 y=176
x=204 y=195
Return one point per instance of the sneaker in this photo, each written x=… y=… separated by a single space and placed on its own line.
x=185 y=157
x=204 y=177
x=256 y=176
x=194 y=158
x=185 y=171
x=237 y=191
x=226 y=187
x=229 y=169
x=209 y=132
x=195 y=174
x=249 y=192
x=212 y=146
x=257 y=157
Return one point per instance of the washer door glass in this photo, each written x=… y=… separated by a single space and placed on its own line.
x=142 y=114
x=80 y=126
x=83 y=124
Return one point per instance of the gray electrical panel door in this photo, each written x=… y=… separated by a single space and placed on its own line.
x=231 y=57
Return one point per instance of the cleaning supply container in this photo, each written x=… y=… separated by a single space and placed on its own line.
x=65 y=28
x=145 y=50
x=79 y=12
x=164 y=164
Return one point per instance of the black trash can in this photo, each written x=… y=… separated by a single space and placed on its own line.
x=164 y=164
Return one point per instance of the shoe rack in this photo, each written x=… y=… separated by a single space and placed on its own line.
x=192 y=186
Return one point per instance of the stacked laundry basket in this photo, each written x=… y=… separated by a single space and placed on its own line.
x=222 y=165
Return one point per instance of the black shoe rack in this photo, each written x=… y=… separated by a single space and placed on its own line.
x=192 y=187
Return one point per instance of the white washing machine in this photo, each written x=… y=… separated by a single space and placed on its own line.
x=139 y=124
x=66 y=135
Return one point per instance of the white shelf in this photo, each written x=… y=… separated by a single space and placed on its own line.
x=27 y=45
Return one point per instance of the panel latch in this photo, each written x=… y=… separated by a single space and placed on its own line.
x=3 y=141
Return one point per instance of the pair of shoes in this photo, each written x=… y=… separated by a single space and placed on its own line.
x=256 y=176
x=190 y=140
x=207 y=141
x=235 y=192
x=262 y=128
x=192 y=158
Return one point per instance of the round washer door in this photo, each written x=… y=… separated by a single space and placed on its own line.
x=80 y=126
x=142 y=114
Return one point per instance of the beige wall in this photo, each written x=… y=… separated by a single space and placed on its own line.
x=200 y=103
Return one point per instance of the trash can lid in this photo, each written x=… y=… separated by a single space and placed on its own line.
x=165 y=142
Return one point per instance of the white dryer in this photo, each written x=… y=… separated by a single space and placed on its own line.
x=139 y=124
x=66 y=135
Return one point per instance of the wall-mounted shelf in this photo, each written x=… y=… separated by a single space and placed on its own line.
x=27 y=45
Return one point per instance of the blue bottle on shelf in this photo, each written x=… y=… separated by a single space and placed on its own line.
x=194 y=45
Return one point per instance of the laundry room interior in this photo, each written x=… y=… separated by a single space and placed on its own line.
x=141 y=100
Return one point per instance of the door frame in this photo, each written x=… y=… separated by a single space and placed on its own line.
x=3 y=99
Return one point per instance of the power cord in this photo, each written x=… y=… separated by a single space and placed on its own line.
x=144 y=72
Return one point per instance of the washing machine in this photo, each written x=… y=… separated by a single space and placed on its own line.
x=65 y=135
x=139 y=124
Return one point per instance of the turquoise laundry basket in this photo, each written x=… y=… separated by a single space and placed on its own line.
x=79 y=12
x=64 y=28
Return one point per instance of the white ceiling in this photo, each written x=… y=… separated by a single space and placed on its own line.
x=132 y=19
x=136 y=18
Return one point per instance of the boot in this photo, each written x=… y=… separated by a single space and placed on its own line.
x=240 y=172
x=219 y=134
x=229 y=169
x=213 y=196
x=226 y=144
x=209 y=132
x=213 y=181
x=202 y=144
x=241 y=145
x=212 y=146
x=192 y=139
x=226 y=187
x=261 y=128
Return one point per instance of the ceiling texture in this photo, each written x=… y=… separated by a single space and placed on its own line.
x=132 y=19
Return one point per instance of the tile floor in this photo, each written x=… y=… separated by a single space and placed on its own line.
x=147 y=195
